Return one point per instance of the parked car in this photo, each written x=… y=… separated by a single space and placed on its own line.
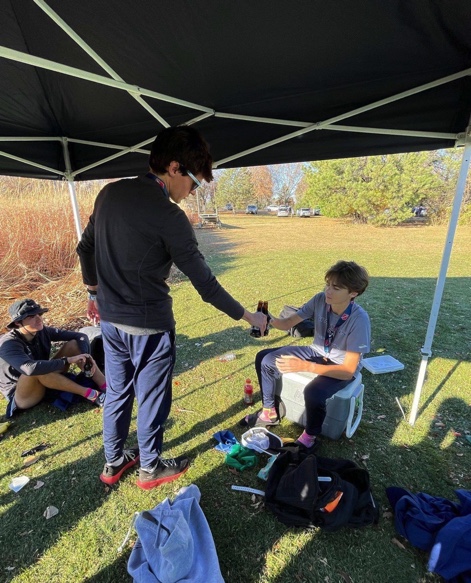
x=284 y=211
x=419 y=211
x=316 y=212
x=252 y=209
x=229 y=207
x=272 y=208
x=304 y=212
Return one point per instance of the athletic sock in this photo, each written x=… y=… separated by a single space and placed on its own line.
x=103 y=387
x=116 y=463
x=306 y=439
x=268 y=414
x=91 y=395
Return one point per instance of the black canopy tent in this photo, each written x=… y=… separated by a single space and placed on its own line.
x=87 y=85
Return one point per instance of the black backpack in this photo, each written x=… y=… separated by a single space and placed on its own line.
x=97 y=352
x=304 y=328
x=297 y=497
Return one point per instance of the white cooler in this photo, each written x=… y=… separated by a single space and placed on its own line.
x=343 y=410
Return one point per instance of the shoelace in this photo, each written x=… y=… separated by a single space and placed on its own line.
x=168 y=463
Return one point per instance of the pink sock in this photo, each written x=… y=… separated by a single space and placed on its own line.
x=91 y=394
x=306 y=439
x=103 y=387
x=268 y=414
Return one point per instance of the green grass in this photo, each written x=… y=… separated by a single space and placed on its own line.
x=282 y=261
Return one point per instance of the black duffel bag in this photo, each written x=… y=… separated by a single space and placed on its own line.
x=310 y=491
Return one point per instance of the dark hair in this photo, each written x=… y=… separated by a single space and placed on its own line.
x=350 y=275
x=185 y=145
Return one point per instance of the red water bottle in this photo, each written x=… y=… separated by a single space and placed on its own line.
x=248 y=392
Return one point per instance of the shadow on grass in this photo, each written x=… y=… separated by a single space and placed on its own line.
x=433 y=395
x=43 y=456
x=73 y=488
x=228 y=227
x=244 y=533
x=249 y=539
x=42 y=415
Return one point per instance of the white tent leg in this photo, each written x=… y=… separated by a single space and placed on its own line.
x=437 y=298
x=71 y=185
x=75 y=210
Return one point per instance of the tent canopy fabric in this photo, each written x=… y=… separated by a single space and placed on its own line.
x=85 y=81
x=87 y=85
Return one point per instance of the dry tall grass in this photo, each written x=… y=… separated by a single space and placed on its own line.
x=37 y=246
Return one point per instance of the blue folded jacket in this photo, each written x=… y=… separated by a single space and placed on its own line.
x=226 y=439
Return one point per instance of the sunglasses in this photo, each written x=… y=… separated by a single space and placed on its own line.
x=185 y=172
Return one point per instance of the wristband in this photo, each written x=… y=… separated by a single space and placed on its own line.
x=65 y=361
x=91 y=294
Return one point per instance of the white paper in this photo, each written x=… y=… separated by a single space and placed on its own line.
x=17 y=483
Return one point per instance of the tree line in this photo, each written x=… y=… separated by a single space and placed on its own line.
x=380 y=190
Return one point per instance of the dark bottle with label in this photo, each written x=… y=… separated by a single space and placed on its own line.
x=255 y=330
x=265 y=311
x=87 y=368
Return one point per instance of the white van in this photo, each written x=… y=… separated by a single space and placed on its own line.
x=284 y=211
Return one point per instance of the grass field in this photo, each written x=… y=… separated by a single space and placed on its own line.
x=281 y=260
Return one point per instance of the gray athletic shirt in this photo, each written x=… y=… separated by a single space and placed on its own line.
x=352 y=336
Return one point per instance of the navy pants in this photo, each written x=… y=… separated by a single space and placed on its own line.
x=140 y=367
x=316 y=392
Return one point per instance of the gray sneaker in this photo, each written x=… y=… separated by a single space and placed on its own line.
x=165 y=471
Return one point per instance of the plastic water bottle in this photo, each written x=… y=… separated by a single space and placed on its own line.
x=227 y=357
x=248 y=392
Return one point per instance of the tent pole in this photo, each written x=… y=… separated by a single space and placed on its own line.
x=437 y=298
x=71 y=185
x=75 y=210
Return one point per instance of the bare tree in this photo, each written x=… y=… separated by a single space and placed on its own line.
x=287 y=178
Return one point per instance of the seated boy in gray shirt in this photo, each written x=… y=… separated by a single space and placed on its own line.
x=341 y=336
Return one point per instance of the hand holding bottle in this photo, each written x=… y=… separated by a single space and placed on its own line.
x=256 y=320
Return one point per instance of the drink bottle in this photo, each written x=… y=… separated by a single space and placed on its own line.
x=265 y=311
x=87 y=367
x=248 y=392
x=227 y=357
x=255 y=330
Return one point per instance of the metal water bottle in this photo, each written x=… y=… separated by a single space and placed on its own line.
x=248 y=392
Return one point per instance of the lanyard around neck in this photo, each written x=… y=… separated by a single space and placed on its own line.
x=330 y=332
x=160 y=182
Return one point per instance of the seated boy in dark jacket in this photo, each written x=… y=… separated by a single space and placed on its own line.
x=26 y=366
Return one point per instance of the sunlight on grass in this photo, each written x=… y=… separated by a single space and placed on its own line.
x=282 y=261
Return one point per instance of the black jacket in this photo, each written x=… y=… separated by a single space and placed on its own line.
x=133 y=236
x=18 y=356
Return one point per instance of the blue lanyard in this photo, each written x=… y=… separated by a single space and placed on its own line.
x=330 y=332
x=161 y=183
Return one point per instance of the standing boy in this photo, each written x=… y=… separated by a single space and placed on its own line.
x=134 y=235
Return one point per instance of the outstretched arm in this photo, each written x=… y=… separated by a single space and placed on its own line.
x=285 y=323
